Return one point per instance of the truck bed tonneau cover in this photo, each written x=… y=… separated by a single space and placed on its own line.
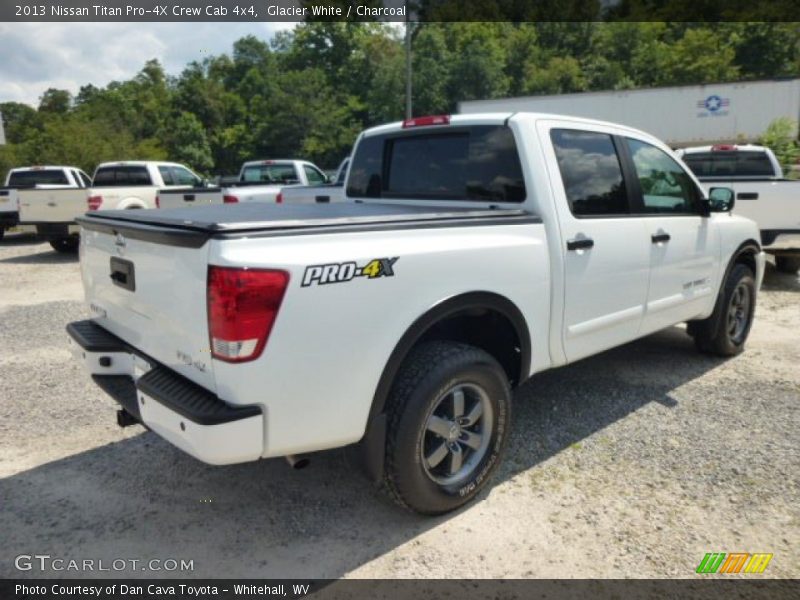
x=192 y=226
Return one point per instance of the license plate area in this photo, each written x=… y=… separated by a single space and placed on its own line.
x=122 y=273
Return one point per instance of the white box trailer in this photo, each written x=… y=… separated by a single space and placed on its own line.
x=681 y=115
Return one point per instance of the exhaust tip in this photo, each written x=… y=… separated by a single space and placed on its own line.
x=298 y=462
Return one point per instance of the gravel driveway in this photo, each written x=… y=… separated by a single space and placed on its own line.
x=634 y=463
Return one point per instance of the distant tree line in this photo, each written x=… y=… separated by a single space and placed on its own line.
x=308 y=92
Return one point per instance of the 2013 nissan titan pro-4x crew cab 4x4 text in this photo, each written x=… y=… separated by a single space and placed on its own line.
x=471 y=253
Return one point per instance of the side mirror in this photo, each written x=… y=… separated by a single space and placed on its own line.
x=721 y=199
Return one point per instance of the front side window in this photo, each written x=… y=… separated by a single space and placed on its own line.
x=478 y=163
x=666 y=187
x=591 y=172
x=183 y=176
x=314 y=177
x=166 y=175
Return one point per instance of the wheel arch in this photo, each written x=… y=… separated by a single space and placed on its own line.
x=458 y=318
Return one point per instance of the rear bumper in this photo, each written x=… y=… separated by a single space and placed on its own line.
x=54 y=231
x=9 y=219
x=778 y=240
x=180 y=411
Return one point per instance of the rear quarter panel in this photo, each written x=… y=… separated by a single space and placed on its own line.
x=320 y=369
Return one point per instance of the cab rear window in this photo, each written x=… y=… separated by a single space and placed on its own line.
x=123 y=175
x=729 y=164
x=478 y=163
x=38 y=177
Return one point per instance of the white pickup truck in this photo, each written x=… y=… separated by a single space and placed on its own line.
x=140 y=184
x=762 y=193
x=323 y=193
x=472 y=253
x=258 y=181
x=42 y=195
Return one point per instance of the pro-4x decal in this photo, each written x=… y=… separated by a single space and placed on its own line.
x=347 y=271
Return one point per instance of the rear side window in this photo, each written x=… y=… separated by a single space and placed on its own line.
x=477 y=163
x=270 y=174
x=87 y=182
x=38 y=177
x=591 y=172
x=123 y=175
x=729 y=164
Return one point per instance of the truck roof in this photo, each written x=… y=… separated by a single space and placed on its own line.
x=40 y=168
x=496 y=118
x=139 y=163
x=274 y=161
x=724 y=148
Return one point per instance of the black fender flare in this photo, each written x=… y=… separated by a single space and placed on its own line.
x=371 y=448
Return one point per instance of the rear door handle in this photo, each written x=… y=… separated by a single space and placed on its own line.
x=188 y=197
x=747 y=196
x=658 y=238
x=582 y=244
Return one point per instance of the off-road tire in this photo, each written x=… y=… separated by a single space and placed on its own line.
x=718 y=334
x=787 y=264
x=430 y=370
x=66 y=245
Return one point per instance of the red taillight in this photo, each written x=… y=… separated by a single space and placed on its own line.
x=279 y=198
x=242 y=306
x=158 y=202
x=94 y=202
x=229 y=199
x=423 y=121
x=723 y=148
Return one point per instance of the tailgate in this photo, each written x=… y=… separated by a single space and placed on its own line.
x=771 y=204
x=8 y=201
x=153 y=296
x=51 y=206
x=175 y=198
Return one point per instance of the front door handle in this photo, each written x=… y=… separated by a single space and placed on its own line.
x=582 y=244
x=659 y=238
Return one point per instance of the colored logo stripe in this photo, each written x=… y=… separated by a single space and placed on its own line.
x=711 y=562
x=734 y=562
x=758 y=562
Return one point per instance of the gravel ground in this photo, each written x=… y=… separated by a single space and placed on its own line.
x=634 y=463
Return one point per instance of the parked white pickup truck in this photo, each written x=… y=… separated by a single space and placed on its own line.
x=762 y=194
x=259 y=181
x=43 y=195
x=474 y=251
x=324 y=193
x=136 y=184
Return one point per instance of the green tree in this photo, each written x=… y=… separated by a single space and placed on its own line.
x=781 y=138
x=55 y=101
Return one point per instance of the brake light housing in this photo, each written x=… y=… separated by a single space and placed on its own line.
x=723 y=148
x=427 y=121
x=279 y=198
x=228 y=199
x=158 y=202
x=242 y=305
x=94 y=202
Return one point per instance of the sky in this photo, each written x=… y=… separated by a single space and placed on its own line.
x=37 y=56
